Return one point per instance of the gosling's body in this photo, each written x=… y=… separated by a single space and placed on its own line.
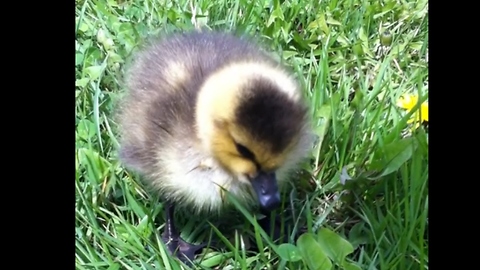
x=206 y=111
x=161 y=134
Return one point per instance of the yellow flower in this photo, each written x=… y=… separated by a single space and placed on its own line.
x=409 y=101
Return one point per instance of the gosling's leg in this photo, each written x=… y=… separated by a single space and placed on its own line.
x=273 y=228
x=175 y=244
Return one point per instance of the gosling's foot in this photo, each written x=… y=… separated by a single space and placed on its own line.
x=182 y=250
x=175 y=244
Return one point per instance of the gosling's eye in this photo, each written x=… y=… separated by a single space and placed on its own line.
x=244 y=151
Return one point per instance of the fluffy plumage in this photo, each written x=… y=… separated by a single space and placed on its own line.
x=208 y=110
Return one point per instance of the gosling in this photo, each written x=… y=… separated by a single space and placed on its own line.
x=206 y=113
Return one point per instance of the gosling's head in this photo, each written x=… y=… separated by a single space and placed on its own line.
x=251 y=118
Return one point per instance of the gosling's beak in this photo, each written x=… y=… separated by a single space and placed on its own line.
x=265 y=185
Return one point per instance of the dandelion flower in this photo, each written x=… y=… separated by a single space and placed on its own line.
x=409 y=101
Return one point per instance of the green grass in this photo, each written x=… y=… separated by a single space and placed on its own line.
x=366 y=186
